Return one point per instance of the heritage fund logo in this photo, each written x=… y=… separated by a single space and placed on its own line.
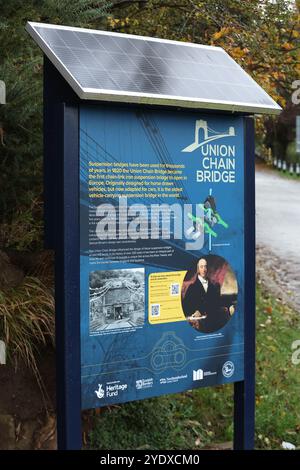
x=199 y=374
x=218 y=162
x=112 y=389
x=100 y=392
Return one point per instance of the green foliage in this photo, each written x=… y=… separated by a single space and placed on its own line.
x=21 y=118
x=183 y=421
x=24 y=229
x=27 y=322
x=278 y=380
x=291 y=154
x=73 y=13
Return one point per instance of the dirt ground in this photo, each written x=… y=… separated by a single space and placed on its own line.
x=27 y=420
x=277 y=277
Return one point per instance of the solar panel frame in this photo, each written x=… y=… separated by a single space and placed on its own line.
x=154 y=96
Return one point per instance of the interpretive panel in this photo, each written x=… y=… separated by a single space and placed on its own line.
x=161 y=252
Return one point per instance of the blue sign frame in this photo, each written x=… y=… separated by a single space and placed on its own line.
x=62 y=215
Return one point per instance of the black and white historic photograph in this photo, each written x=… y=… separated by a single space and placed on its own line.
x=117 y=299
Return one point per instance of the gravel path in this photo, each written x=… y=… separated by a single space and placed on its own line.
x=278 y=234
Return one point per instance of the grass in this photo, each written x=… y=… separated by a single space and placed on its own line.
x=287 y=175
x=27 y=322
x=203 y=417
x=284 y=174
x=278 y=379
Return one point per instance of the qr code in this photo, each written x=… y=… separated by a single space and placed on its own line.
x=174 y=289
x=155 y=310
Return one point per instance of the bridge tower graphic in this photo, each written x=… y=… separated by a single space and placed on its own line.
x=209 y=135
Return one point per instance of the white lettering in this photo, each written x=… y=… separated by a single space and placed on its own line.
x=296 y=93
x=106 y=228
x=216 y=150
x=215 y=176
x=296 y=354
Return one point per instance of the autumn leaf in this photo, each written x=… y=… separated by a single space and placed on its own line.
x=287 y=46
x=268 y=310
x=221 y=33
x=237 y=52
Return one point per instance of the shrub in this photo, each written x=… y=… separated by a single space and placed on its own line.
x=27 y=312
x=291 y=154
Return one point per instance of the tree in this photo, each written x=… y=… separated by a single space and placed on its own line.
x=261 y=35
x=21 y=64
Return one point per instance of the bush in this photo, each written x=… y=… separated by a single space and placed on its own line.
x=28 y=321
x=291 y=154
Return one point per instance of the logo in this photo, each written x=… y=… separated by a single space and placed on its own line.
x=169 y=351
x=100 y=391
x=198 y=374
x=228 y=369
x=214 y=135
x=143 y=383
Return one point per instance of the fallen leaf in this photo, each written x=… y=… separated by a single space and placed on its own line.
x=192 y=423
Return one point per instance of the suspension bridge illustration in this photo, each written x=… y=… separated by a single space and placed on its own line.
x=201 y=124
x=211 y=218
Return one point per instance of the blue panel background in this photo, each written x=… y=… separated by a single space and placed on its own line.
x=126 y=134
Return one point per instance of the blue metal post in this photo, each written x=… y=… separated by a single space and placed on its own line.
x=56 y=91
x=67 y=276
x=244 y=392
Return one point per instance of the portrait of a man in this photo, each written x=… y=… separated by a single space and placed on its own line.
x=204 y=307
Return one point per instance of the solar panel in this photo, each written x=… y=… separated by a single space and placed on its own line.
x=101 y=65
